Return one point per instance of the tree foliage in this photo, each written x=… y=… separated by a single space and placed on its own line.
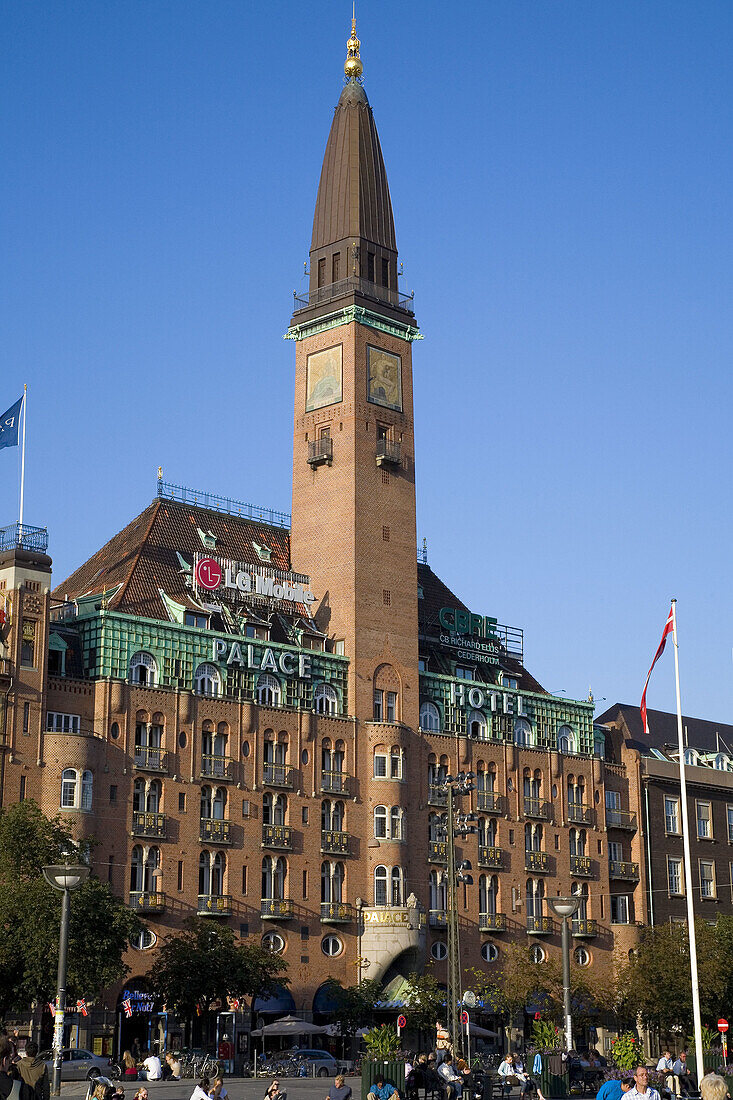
x=425 y=1002
x=353 y=1005
x=100 y=926
x=204 y=963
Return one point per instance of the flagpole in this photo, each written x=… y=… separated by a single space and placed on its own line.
x=22 y=469
x=688 y=861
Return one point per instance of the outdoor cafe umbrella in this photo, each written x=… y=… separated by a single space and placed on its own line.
x=289 y=1025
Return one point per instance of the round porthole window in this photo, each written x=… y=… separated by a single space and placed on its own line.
x=582 y=956
x=141 y=941
x=182 y=739
x=439 y=950
x=273 y=942
x=489 y=952
x=114 y=731
x=331 y=945
x=245 y=749
x=537 y=954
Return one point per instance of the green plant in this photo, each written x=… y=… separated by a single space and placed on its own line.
x=545 y=1036
x=382 y=1042
x=625 y=1050
x=710 y=1039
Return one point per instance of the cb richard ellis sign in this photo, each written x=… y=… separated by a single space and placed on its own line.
x=472 y=636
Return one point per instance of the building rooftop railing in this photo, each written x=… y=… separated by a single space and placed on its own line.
x=201 y=499
x=19 y=536
x=330 y=293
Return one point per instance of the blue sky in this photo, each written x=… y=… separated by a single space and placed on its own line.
x=561 y=178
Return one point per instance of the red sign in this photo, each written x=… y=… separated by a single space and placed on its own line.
x=464 y=1018
x=722 y=1025
x=208 y=573
x=401 y=1022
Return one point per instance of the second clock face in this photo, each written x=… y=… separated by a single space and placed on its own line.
x=384 y=378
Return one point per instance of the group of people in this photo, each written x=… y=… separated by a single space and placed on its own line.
x=150 y=1068
x=680 y=1081
x=23 y=1075
x=637 y=1087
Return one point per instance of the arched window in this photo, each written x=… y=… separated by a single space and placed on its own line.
x=395 y=762
x=398 y=893
x=87 y=781
x=143 y=865
x=325 y=700
x=154 y=796
x=565 y=740
x=136 y=870
x=274 y=808
x=522 y=732
x=438 y=893
x=69 y=780
x=274 y=871
x=218 y=867
x=333 y=815
x=269 y=691
x=535 y=897
x=488 y=894
x=138 y=796
x=429 y=717
x=380 y=822
x=218 y=804
x=580 y=890
x=577 y=842
x=532 y=838
x=143 y=669
x=207 y=680
x=477 y=728
x=436 y=828
x=380 y=885
x=531 y=784
x=437 y=770
x=204 y=873
x=395 y=823
x=332 y=881
x=339 y=755
x=487 y=829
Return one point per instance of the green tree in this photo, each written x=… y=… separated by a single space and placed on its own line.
x=424 y=1006
x=204 y=964
x=100 y=926
x=353 y=1004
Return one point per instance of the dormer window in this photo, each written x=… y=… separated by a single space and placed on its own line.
x=208 y=539
x=464 y=673
x=195 y=618
x=509 y=681
x=264 y=553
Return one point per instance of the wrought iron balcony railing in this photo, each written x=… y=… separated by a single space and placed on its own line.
x=277 y=836
x=147 y=901
x=332 y=291
x=620 y=819
x=216 y=766
x=320 y=452
x=540 y=926
x=19 y=536
x=335 y=782
x=438 y=918
x=215 y=905
x=148 y=824
x=214 y=831
x=491 y=922
x=490 y=856
x=335 y=842
x=622 y=869
x=336 y=912
x=276 y=908
x=537 y=807
x=583 y=927
x=489 y=801
x=580 y=814
x=389 y=453
x=151 y=758
x=437 y=795
x=437 y=851
x=536 y=861
x=581 y=866
x=277 y=775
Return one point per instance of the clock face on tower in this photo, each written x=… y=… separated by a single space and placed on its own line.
x=384 y=378
x=324 y=384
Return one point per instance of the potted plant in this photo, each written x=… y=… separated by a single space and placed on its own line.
x=383 y=1046
x=547 y=1043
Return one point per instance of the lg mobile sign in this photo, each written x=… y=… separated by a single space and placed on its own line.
x=239 y=580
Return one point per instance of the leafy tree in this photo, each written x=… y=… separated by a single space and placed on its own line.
x=100 y=926
x=353 y=1004
x=425 y=1002
x=204 y=964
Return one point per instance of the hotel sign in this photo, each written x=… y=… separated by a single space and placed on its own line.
x=240 y=580
x=471 y=636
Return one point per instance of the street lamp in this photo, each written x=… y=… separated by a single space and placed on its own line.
x=564 y=908
x=65 y=877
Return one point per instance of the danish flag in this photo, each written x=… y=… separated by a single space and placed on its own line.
x=668 y=628
x=127 y=1005
x=81 y=1006
x=234 y=1003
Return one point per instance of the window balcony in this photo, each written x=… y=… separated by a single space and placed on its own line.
x=537 y=808
x=389 y=453
x=581 y=866
x=320 y=452
x=489 y=801
x=438 y=918
x=620 y=819
x=214 y=831
x=584 y=928
x=540 y=926
x=149 y=759
x=621 y=869
x=335 y=783
x=215 y=905
x=491 y=922
x=335 y=843
x=490 y=856
x=437 y=851
x=336 y=912
x=147 y=901
x=277 y=775
x=437 y=795
x=216 y=766
x=147 y=824
x=276 y=909
x=537 y=861
x=580 y=814
x=277 y=836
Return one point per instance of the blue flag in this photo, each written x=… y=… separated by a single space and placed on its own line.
x=10 y=424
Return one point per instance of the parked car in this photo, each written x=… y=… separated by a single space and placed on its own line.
x=325 y=1064
x=78 y=1065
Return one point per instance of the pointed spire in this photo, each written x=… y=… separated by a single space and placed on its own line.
x=353 y=67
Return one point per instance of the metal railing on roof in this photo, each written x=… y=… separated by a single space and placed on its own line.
x=339 y=289
x=201 y=499
x=19 y=536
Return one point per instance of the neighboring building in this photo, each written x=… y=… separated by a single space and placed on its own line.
x=269 y=747
x=709 y=775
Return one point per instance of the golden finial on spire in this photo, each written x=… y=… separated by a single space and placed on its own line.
x=353 y=66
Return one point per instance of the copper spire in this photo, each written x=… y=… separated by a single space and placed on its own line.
x=353 y=67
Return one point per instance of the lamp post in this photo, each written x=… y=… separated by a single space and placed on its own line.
x=564 y=908
x=64 y=877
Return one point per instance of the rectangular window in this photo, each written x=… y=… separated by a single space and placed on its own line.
x=557 y=842
x=57 y=722
x=112 y=793
x=28 y=644
x=615 y=851
x=707 y=878
x=322 y=272
x=391 y=706
x=339 y=647
x=336 y=267
x=395 y=764
x=304 y=932
x=324 y=432
x=244 y=879
x=180 y=874
x=464 y=673
x=671 y=814
x=511 y=836
x=22 y=787
x=110 y=865
x=704 y=821
x=378 y=707
x=613 y=800
x=182 y=802
x=244 y=929
x=305 y=885
x=304 y=815
x=600 y=847
x=619 y=909
x=371 y=257
x=380 y=765
x=674 y=875
x=729 y=815
x=385 y=272
x=26 y=717
x=245 y=807
x=191 y=618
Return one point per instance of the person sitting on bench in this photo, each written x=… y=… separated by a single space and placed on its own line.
x=383 y=1090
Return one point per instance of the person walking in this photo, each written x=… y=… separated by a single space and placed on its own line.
x=35 y=1083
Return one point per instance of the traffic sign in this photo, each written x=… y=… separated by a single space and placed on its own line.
x=464 y=1018
x=722 y=1025
x=401 y=1022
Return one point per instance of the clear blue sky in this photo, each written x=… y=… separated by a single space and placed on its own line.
x=561 y=178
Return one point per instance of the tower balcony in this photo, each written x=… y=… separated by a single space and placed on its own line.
x=320 y=452
x=322 y=295
x=19 y=536
x=389 y=452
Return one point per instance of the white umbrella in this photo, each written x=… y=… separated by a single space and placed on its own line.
x=290 y=1025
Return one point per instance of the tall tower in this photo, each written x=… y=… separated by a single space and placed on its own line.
x=353 y=526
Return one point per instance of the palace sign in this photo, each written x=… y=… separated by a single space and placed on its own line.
x=238 y=579
x=262 y=659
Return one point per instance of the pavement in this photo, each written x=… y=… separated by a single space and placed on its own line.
x=238 y=1088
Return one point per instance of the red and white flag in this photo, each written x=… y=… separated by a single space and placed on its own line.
x=127 y=1005
x=52 y=1007
x=81 y=1006
x=668 y=627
